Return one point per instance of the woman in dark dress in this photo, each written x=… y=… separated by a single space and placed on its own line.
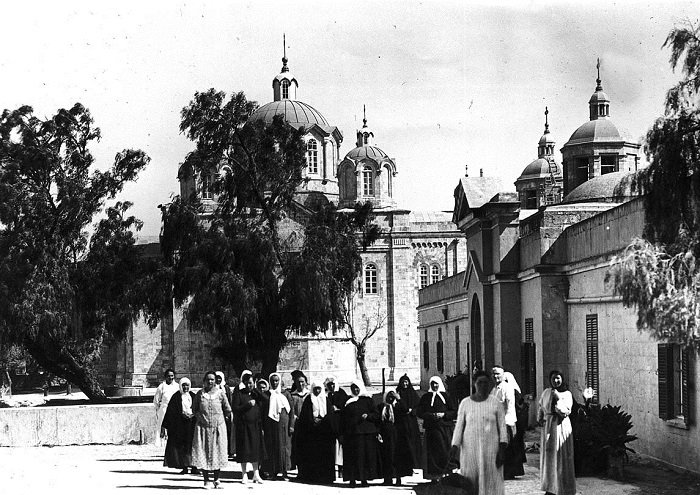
x=438 y=413
x=315 y=440
x=249 y=440
x=360 y=445
x=388 y=446
x=408 y=446
x=220 y=380
x=276 y=429
x=338 y=398
x=179 y=424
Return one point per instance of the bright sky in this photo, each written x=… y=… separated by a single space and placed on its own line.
x=445 y=83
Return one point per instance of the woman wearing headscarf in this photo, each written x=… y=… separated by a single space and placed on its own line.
x=408 y=447
x=437 y=412
x=298 y=393
x=179 y=424
x=393 y=463
x=276 y=429
x=220 y=380
x=517 y=445
x=557 y=442
x=481 y=437
x=209 y=444
x=315 y=438
x=338 y=398
x=249 y=441
x=361 y=460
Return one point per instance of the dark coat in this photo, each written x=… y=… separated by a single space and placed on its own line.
x=438 y=432
x=248 y=424
x=361 y=460
x=178 y=450
x=315 y=444
x=408 y=441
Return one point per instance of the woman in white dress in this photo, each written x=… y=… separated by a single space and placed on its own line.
x=480 y=437
x=160 y=401
x=557 y=442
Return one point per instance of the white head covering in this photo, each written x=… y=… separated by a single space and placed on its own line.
x=388 y=409
x=262 y=380
x=223 y=379
x=440 y=391
x=363 y=391
x=242 y=386
x=508 y=377
x=186 y=397
x=329 y=379
x=318 y=401
x=278 y=401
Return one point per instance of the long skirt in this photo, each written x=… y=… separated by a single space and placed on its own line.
x=178 y=450
x=249 y=442
x=437 y=445
x=361 y=460
x=513 y=465
x=276 y=439
x=210 y=447
x=557 y=457
x=316 y=456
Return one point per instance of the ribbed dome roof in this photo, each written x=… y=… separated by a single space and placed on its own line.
x=538 y=168
x=294 y=112
x=362 y=152
x=546 y=139
x=601 y=129
x=615 y=187
x=599 y=95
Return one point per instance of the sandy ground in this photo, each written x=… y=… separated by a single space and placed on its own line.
x=136 y=469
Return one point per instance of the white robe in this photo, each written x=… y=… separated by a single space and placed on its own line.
x=160 y=401
x=557 y=444
x=479 y=430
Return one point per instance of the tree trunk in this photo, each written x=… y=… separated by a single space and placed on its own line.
x=60 y=362
x=6 y=383
x=271 y=358
x=363 y=366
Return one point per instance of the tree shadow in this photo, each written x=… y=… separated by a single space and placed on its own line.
x=163 y=487
x=140 y=471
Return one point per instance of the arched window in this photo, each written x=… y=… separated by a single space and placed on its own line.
x=434 y=274
x=368 y=181
x=423 y=276
x=285 y=89
x=312 y=156
x=207 y=182
x=370 y=278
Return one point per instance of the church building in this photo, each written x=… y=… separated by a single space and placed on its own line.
x=534 y=296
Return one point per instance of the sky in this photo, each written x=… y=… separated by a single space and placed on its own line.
x=446 y=84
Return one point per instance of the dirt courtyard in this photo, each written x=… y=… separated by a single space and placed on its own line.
x=136 y=469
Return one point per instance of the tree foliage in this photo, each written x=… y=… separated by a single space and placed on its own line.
x=61 y=291
x=232 y=263
x=659 y=275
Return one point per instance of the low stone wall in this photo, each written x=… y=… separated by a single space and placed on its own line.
x=77 y=425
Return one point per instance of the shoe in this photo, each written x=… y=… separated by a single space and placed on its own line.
x=207 y=486
x=258 y=480
x=364 y=484
x=217 y=484
x=184 y=471
x=194 y=470
x=244 y=480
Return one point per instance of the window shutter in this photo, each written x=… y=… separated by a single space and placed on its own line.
x=426 y=355
x=685 y=389
x=665 y=380
x=532 y=373
x=440 y=361
x=592 y=363
x=527 y=368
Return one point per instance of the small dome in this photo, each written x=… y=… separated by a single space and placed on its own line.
x=546 y=139
x=599 y=96
x=362 y=152
x=539 y=168
x=285 y=75
x=294 y=112
x=601 y=129
x=615 y=187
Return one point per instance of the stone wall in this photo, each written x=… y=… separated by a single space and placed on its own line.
x=77 y=425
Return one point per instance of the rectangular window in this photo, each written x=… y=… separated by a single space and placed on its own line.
x=439 y=353
x=592 y=365
x=581 y=170
x=531 y=199
x=608 y=164
x=458 y=361
x=426 y=351
x=423 y=276
x=673 y=382
x=528 y=363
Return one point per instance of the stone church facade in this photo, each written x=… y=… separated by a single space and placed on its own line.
x=416 y=249
x=534 y=296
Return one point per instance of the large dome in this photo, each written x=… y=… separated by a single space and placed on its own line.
x=362 y=152
x=294 y=112
x=596 y=130
x=616 y=187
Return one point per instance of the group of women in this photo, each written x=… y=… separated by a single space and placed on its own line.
x=313 y=429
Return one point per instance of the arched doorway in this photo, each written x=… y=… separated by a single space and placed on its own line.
x=475 y=340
